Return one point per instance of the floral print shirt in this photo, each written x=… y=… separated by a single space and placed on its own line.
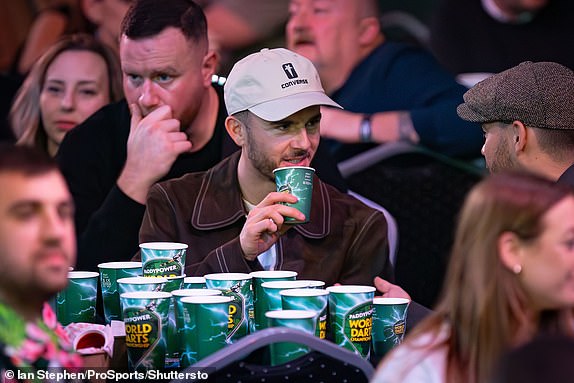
x=32 y=346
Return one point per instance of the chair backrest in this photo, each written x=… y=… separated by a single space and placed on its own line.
x=392 y=228
x=327 y=361
x=423 y=191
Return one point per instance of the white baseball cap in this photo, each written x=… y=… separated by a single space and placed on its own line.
x=273 y=84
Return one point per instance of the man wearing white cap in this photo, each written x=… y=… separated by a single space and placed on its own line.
x=231 y=216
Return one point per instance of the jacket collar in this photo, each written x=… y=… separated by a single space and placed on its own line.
x=219 y=203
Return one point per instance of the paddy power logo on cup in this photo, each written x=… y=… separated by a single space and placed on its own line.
x=358 y=327
x=163 y=259
x=145 y=318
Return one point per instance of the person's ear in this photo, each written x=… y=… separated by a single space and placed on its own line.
x=510 y=251
x=236 y=130
x=521 y=136
x=208 y=66
x=370 y=30
x=92 y=10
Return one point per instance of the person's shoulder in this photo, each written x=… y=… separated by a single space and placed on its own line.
x=422 y=359
x=186 y=186
x=109 y=119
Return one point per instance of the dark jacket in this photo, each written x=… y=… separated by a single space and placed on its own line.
x=92 y=157
x=345 y=241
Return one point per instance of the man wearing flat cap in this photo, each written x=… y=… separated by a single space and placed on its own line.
x=527 y=115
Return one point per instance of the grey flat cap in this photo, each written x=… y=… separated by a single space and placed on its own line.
x=538 y=94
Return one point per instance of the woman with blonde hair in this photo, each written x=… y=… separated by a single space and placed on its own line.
x=73 y=79
x=510 y=277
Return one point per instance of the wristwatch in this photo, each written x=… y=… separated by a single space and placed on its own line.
x=365 y=129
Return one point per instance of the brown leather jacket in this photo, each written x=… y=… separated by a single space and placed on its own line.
x=345 y=241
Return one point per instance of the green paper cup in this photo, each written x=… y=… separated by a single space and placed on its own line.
x=194 y=283
x=110 y=272
x=163 y=259
x=309 y=299
x=389 y=323
x=283 y=352
x=314 y=284
x=135 y=284
x=181 y=329
x=206 y=319
x=260 y=277
x=172 y=355
x=350 y=316
x=297 y=180
x=270 y=300
x=237 y=286
x=77 y=302
x=145 y=316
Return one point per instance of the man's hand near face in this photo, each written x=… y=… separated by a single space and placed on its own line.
x=154 y=143
x=265 y=224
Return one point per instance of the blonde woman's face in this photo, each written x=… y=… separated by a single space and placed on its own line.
x=548 y=264
x=76 y=85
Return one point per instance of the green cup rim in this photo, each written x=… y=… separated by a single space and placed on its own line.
x=273 y=274
x=120 y=265
x=227 y=276
x=291 y=314
x=304 y=292
x=390 y=301
x=285 y=284
x=180 y=293
x=163 y=245
x=142 y=280
x=293 y=167
x=145 y=295
x=350 y=289
x=207 y=299
x=82 y=274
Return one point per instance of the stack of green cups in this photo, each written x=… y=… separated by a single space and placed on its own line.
x=172 y=356
x=259 y=277
x=270 y=299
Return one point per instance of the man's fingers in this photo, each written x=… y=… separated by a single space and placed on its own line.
x=136 y=116
x=382 y=285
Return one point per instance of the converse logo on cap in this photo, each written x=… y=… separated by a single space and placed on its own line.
x=289 y=70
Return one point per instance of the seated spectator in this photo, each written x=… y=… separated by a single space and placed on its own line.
x=231 y=215
x=72 y=80
x=528 y=120
x=547 y=358
x=55 y=19
x=231 y=27
x=390 y=91
x=106 y=17
x=172 y=122
x=493 y=35
x=37 y=247
x=509 y=277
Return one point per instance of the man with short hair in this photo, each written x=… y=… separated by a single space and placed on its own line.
x=171 y=123
x=527 y=115
x=231 y=216
x=390 y=91
x=37 y=248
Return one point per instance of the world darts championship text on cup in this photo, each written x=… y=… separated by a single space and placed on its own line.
x=109 y=375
